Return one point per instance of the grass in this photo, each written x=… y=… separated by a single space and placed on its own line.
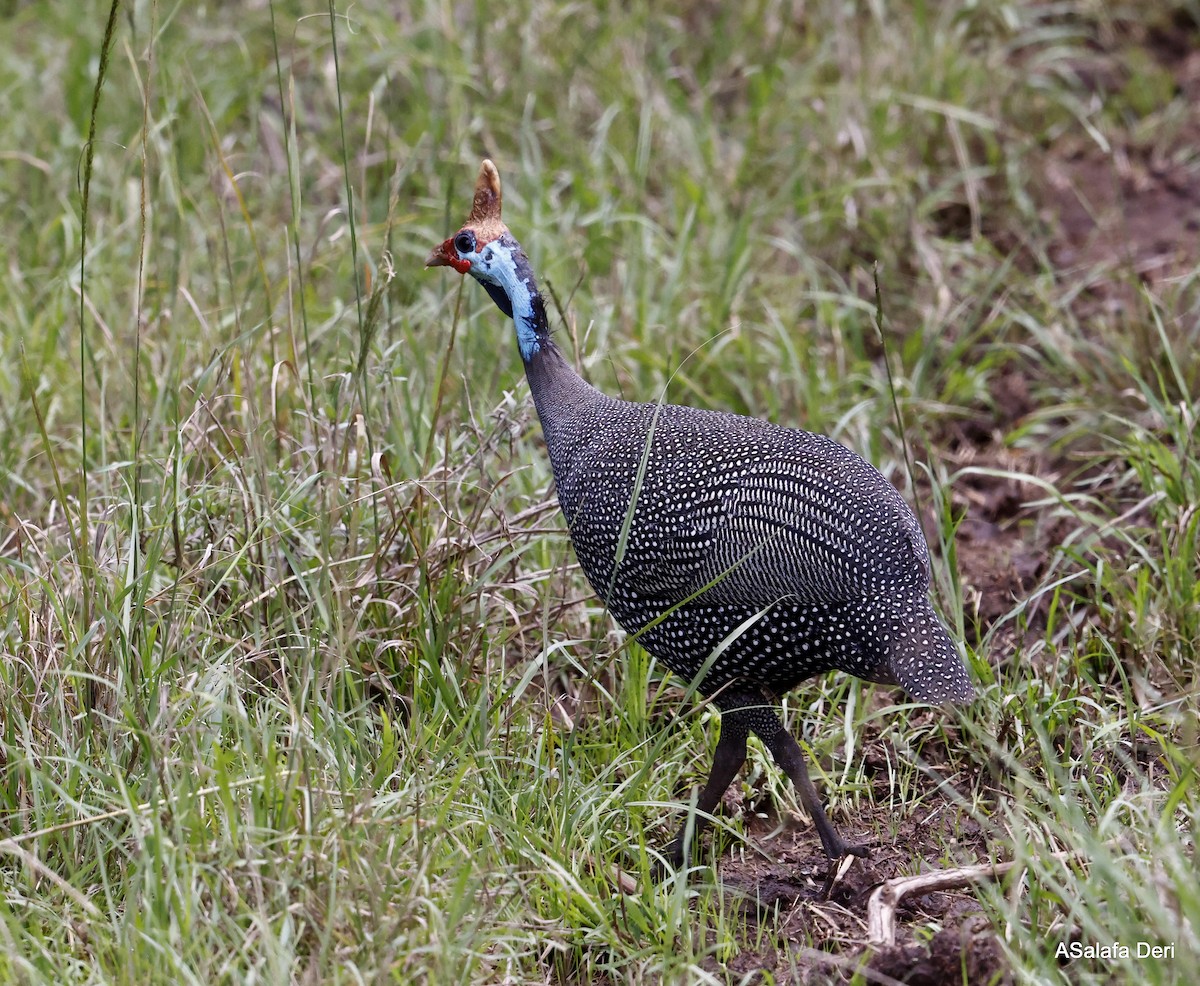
x=300 y=680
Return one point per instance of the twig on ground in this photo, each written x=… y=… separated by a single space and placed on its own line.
x=885 y=899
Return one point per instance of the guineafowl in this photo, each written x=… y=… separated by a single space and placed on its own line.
x=754 y=555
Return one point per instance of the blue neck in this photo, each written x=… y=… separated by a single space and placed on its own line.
x=504 y=271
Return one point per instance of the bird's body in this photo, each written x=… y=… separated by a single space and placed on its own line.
x=719 y=495
x=758 y=554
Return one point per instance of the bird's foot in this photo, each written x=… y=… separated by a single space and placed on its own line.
x=840 y=865
x=836 y=848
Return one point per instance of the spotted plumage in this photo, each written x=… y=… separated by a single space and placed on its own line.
x=756 y=554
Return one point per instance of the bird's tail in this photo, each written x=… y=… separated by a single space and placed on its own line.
x=918 y=653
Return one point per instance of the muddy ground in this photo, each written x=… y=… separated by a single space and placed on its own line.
x=1123 y=218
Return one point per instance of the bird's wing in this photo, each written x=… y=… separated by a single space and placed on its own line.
x=819 y=527
x=753 y=512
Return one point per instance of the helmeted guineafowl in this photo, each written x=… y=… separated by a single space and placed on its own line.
x=780 y=552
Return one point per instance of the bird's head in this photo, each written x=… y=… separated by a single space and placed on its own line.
x=467 y=250
x=484 y=248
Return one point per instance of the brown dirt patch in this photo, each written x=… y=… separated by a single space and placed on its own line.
x=1003 y=550
x=1003 y=546
x=1130 y=214
x=1124 y=212
x=969 y=953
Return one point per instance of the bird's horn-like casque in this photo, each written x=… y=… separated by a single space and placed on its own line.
x=486 y=207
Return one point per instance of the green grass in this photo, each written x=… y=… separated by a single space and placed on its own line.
x=300 y=682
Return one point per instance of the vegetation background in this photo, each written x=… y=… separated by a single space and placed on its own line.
x=300 y=682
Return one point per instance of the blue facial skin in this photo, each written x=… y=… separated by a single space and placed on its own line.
x=504 y=271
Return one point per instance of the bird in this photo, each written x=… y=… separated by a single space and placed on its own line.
x=746 y=556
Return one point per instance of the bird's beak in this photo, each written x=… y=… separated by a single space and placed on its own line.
x=440 y=256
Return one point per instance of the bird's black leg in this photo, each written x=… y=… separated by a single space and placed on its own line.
x=727 y=761
x=790 y=757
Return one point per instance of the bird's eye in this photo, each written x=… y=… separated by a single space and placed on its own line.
x=464 y=242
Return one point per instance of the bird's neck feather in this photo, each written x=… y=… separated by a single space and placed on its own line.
x=569 y=408
x=508 y=278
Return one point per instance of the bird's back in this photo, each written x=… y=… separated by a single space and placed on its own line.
x=755 y=511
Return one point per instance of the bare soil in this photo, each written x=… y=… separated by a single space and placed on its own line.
x=817 y=933
x=1129 y=214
